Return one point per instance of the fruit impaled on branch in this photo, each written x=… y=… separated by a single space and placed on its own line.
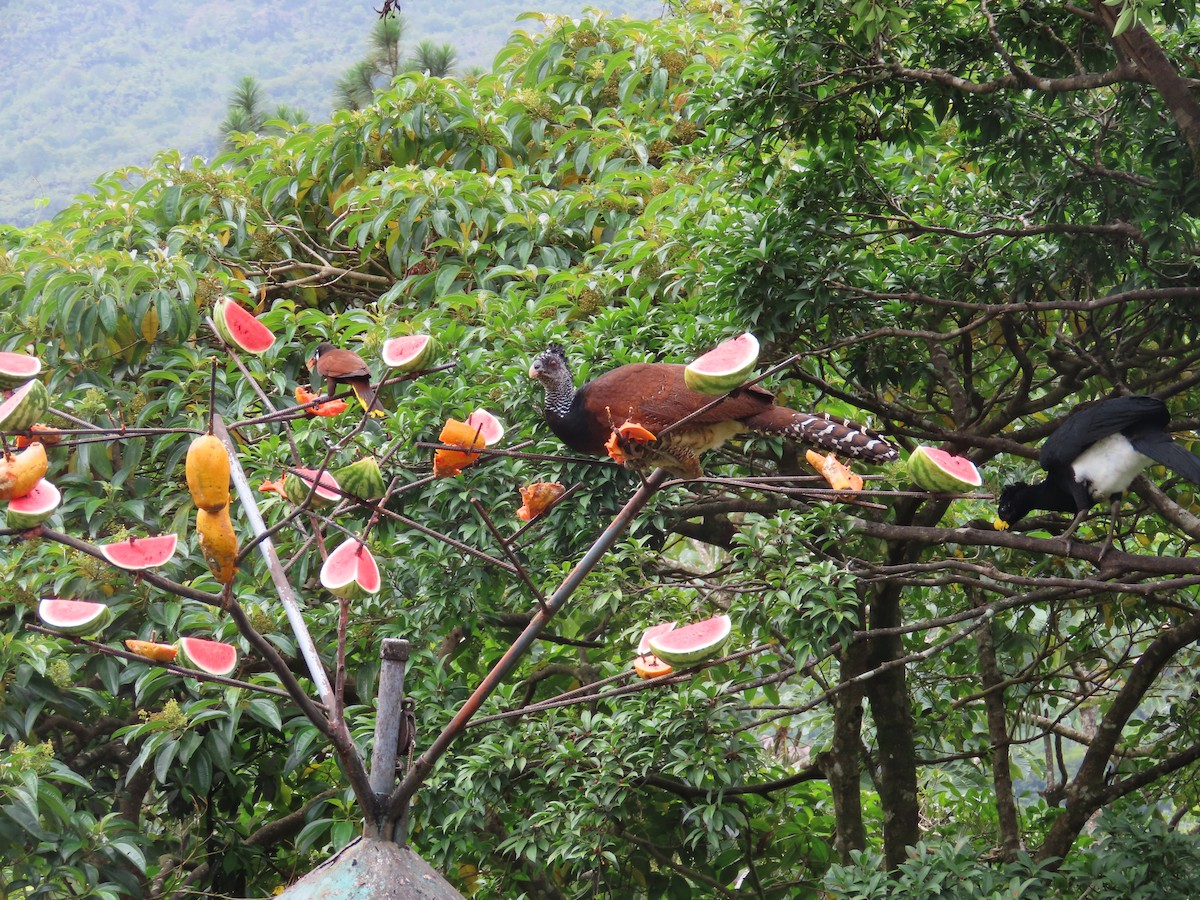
x=207 y=469
x=218 y=543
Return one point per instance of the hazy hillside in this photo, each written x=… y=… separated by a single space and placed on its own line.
x=90 y=87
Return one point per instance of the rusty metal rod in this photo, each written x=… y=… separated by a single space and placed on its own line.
x=423 y=765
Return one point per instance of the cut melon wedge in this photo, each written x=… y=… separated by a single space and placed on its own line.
x=692 y=643
x=17 y=368
x=409 y=353
x=34 y=508
x=140 y=553
x=213 y=657
x=74 y=617
x=936 y=470
x=350 y=570
x=724 y=367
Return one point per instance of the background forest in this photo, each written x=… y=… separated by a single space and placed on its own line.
x=92 y=87
x=952 y=222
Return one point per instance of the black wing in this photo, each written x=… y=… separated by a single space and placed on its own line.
x=1159 y=446
x=1138 y=414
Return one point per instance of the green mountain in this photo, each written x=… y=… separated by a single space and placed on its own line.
x=92 y=87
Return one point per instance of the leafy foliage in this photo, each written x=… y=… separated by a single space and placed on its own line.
x=937 y=258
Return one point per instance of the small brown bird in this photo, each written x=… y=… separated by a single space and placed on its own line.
x=344 y=367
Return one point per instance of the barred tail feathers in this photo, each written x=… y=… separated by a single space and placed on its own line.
x=829 y=432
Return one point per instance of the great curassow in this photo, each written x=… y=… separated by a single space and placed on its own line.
x=346 y=367
x=1093 y=456
x=655 y=397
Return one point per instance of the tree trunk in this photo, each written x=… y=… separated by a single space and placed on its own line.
x=993 y=702
x=892 y=714
x=842 y=764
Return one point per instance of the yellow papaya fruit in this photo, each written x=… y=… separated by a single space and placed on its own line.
x=207 y=469
x=19 y=472
x=218 y=542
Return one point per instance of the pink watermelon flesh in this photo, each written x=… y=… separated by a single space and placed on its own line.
x=247 y=332
x=958 y=467
x=213 y=657
x=401 y=351
x=141 y=553
x=19 y=365
x=347 y=564
x=69 y=614
x=489 y=426
x=326 y=486
x=729 y=356
x=44 y=497
x=654 y=631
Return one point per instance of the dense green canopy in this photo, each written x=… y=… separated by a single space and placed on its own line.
x=953 y=222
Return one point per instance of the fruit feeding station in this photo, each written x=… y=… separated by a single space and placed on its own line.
x=320 y=493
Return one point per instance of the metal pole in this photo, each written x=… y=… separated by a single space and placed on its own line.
x=284 y=588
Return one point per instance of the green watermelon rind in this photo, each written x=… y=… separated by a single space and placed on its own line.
x=716 y=383
x=24 y=519
x=220 y=311
x=94 y=625
x=698 y=653
x=351 y=589
x=297 y=488
x=930 y=476
x=362 y=479
x=10 y=380
x=188 y=661
x=411 y=362
x=31 y=402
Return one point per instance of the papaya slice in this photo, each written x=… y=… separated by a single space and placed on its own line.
x=447 y=462
x=328 y=408
x=650 y=666
x=625 y=433
x=207 y=470
x=218 y=543
x=536 y=497
x=839 y=475
x=19 y=472
x=151 y=650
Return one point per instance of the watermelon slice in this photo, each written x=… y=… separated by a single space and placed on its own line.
x=240 y=329
x=487 y=425
x=362 y=479
x=350 y=571
x=652 y=632
x=213 y=657
x=74 y=617
x=298 y=483
x=17 y=368
x=724 y=367
x=21 y=408
x=937 y=470
x=35 y=507
x=692 y=643
x=409 y=353
x=140 y=553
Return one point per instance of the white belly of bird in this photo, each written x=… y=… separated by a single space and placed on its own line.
x=1109 y=466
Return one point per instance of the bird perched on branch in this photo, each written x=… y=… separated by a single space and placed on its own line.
x=346 y=367
x=652 y=397
x=1093 y=456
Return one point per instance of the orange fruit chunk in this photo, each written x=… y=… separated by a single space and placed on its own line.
x=536 y=497
x=448 y=462
x=629 y=431
x=328 y=408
